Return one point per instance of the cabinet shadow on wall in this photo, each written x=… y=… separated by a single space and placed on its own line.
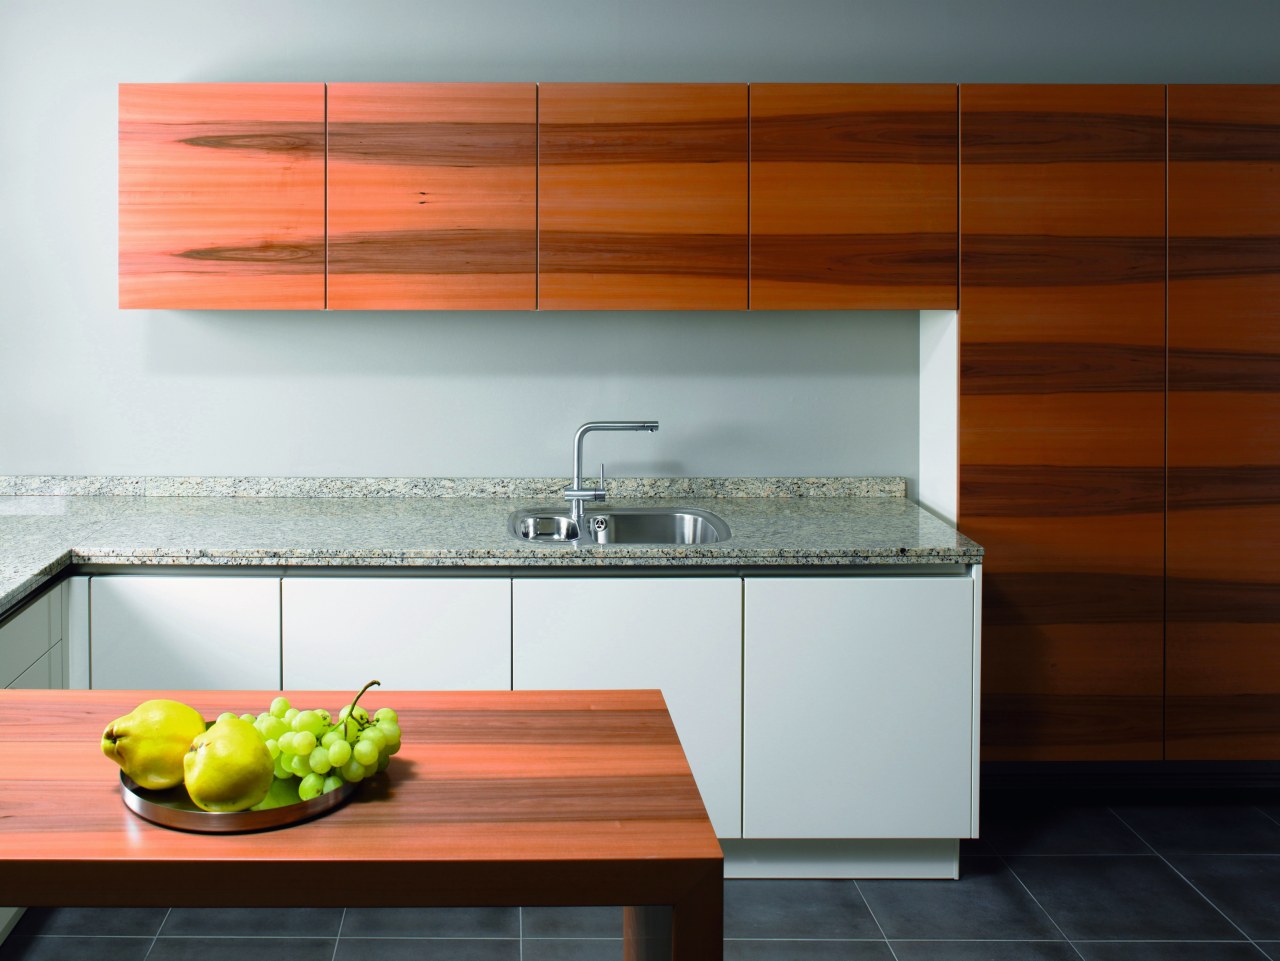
x=551 y=344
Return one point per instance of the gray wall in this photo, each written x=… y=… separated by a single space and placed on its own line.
x=86 y=388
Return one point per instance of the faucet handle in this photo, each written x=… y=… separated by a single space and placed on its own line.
x=602 y=480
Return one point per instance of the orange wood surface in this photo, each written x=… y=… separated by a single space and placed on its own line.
x=642 y=196
x=1223 y=647
x=853 y=196
x=516 y=798
x=1061 y=413
x=221 y=195
x=432 y=196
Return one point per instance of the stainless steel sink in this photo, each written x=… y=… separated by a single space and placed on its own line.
x=622 y=525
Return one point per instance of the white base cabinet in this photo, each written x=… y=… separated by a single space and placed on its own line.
x=831 y=721
x=680 y=635
x=31 y=650
x=198 y=633
x=859 y=707
x=440 y=633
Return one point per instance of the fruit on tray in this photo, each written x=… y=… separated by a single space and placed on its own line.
x=151 y=741
x=274 y=758
x=325 y=752
x=228 y=767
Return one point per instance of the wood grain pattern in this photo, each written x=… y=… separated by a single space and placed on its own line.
x=1224 y=400
x=620 y=823
x=642 y=196
x=853 y=196
x=432 y=196
x=221 y=195
x=1061 y=413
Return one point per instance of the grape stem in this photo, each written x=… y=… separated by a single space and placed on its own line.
x=351 y=714
x=356 y=699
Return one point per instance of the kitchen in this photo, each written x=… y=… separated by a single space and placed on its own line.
x=190 y=393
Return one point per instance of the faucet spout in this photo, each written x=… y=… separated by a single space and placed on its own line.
x=575 y=493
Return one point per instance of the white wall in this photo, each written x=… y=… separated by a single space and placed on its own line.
x=86 y=388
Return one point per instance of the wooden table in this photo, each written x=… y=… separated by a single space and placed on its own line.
x=496 y=798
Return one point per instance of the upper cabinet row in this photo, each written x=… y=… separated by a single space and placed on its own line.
x=553 y=196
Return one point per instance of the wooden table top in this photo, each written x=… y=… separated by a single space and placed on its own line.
x=529 y=797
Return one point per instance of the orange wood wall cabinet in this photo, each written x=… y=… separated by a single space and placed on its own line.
x=1062 y=413
x=853 y=196
x=432 y=196
x=642 y=196
x=1223 y=641
x=221 y=195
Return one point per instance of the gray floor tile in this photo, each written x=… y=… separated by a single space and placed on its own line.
x=807 y=951
x=1271 y=949
x=586 y=922
x=1245 y=887
x=431 y=923
x=1060 y=830
x=19 y=948
x=252 y=923
x=575 y=949
x=984 y=951
x=987 y=902
x=105 y=922
x=796 y=909
x=420 y=949
x=1168 y=951
x=242 y=949
x=1204 y=828
x=1120 y=898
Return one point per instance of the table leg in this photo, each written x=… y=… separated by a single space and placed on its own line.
x=646 y=933
x=692 y=929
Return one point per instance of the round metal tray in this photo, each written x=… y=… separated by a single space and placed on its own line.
x=173 y=808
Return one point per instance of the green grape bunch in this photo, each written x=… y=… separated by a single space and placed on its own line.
x=325 y=752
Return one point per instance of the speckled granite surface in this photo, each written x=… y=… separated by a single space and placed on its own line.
x=537 y=487
x=42 y=534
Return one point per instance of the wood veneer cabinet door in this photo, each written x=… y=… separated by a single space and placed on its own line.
x=853 y=196
x=1223 y=647
x=1062 y=413
x=222 y=195
x=432 y=196
x=642 y=196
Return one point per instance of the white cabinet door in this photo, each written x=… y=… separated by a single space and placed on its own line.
x=27 y=635
x=429 y=633
x=45 y=674
x=680 y=635
x=201 y=633
x=858 y=707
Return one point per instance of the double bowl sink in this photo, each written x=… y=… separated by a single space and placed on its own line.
x=621 y=525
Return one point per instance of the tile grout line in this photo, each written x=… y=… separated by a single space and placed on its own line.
x=1036 y=901
x=1187 y=881
x=156 y=936
x=879 y=927
x=337 y=938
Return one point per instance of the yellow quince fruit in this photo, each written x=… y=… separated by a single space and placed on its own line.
x=228 y=767
x=150 y=742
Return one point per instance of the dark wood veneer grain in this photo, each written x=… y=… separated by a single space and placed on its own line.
x=1043 y=490
x=1223 y=607
x=1034 y=367
x=1062 y=271
x=1062 y=137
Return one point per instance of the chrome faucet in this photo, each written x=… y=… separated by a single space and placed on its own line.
x=575 y=493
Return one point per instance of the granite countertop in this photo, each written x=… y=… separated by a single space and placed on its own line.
x=48 y=524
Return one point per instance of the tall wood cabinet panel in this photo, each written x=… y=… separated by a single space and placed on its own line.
x=1062 y=413
x=853 y=196
x=1223 y=642
x=222 y=195
x=432 y=196
x=642 y=196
